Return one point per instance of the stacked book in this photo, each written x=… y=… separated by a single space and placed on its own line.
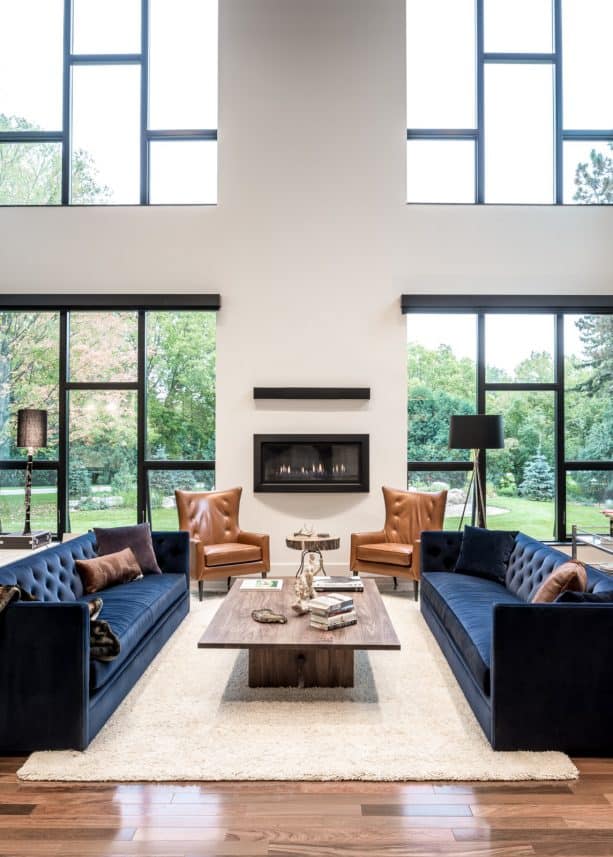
x=338 y=584
x=329 y=612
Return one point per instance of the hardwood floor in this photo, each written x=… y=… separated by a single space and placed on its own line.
x=309 y=819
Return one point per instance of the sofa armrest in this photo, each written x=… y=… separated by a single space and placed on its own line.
x=44 y=676
x=552 y=677
x=260 y=540
x=172 y=551
x=358 y=539
x=439 y=550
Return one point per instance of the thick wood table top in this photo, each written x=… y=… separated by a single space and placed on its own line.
x=233 y=628
x=313 y=543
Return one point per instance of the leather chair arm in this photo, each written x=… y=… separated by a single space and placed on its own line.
x=196 y=558
x=260 y=540
x=358 y=539
x=415 y=558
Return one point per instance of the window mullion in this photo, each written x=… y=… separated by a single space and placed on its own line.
x=480 y=146
x=66 y=103
x=558 y=103
x=560 y=498
x=144 y=104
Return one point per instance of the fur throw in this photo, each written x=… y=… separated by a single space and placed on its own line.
x=103 y=644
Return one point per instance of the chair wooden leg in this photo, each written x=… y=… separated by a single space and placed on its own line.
x=200 y=590
x=395 y=583
x=415 y=590
x=264 y=575
x=229 y=582
x=355 y=573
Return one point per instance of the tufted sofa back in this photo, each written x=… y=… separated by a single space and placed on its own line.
x=532 y=561
x=51 y=574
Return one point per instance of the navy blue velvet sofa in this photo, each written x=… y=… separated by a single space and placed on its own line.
x=537 y=676
x=51 y=696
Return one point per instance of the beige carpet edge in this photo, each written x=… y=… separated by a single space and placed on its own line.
x=191 y=718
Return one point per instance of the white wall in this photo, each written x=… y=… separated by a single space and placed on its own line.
x=311 y=244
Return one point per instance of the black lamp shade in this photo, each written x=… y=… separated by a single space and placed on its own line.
x=476 y=431
x=31 y=428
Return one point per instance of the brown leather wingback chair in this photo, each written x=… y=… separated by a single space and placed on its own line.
x=218 y=547
x=394 y=550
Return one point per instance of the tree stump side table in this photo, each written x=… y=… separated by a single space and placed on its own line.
x=315 y=545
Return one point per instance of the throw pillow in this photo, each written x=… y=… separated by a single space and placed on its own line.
x=137 y=537
x=570 y=575
x=570 y=597
x=485 y=553
x=103 y=571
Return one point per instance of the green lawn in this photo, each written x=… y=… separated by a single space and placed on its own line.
x=44 y=515
x=529 y=516
x=536 y=517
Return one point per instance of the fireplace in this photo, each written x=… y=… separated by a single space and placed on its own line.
x=310 y=462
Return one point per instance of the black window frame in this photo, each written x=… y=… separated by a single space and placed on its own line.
x=64 y=305
x=477 y=134
x=64 y=135
x=481 y=305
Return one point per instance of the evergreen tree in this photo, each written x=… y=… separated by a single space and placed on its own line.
x=594 y=181
x=539 y=479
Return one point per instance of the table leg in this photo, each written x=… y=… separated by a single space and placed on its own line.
x=301 y=566
x=274 y=666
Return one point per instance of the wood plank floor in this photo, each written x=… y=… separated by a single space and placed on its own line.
x=572 y=819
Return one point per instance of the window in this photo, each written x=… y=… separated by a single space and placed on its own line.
x=108 y=102
x=550 y=375
x=131 y=413
x=508 y=101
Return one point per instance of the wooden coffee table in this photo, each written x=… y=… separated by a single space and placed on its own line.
x=294 y=654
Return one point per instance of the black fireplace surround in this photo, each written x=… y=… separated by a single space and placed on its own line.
x=310 y=463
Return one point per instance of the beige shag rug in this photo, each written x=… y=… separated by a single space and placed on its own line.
x=193 y=717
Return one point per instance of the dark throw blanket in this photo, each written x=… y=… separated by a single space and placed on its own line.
x=103 y=644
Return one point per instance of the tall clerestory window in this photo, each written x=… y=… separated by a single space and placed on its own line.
x=108 y=102
x=509 y=101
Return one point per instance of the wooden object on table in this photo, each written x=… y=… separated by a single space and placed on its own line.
x=294 y=654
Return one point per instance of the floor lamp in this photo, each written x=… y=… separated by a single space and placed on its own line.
x=476 y=432
x=31 y=434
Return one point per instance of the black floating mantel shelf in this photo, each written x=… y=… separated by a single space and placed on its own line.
x=311 y=392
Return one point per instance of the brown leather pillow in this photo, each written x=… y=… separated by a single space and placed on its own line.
x=570 y=576
x=103 y=571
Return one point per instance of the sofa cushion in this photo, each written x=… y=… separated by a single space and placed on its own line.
x=464 y=606
x=392 y=553
x=570 y=576
x=102 y=572
x=230 y=553
x=132 y=611
x=485 y=553
x=138 y=537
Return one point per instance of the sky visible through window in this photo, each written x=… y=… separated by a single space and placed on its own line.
x=106 y=98
x=519 y=99
x=503 y=351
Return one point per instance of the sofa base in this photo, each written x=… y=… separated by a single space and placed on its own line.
x=106 y=700
x=474 y=695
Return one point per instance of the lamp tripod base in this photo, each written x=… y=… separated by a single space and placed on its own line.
x=475 y=484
